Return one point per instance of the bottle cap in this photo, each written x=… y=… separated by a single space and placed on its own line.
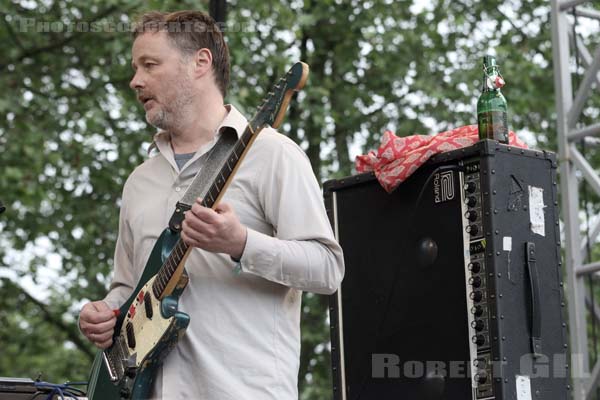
x=499 y=82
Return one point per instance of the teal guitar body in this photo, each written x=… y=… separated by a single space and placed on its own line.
x=147 y=329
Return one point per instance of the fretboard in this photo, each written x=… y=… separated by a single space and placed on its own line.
x=223 y=177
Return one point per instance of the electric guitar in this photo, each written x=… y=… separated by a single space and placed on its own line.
x=149 y=324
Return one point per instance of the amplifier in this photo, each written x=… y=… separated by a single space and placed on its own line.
x=453 y=285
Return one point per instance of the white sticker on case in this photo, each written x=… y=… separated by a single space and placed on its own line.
x=507 y=243
x=523 y=387
x=536 y=210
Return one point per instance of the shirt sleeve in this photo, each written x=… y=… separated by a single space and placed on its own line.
x=303 y=253
x=123 y=280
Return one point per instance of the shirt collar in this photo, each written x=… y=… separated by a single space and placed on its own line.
x=234 y=119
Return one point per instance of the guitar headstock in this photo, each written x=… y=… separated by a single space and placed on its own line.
x=272 y=109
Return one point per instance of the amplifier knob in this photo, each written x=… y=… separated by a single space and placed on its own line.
x=470 y=187
x=471 y=201
x=481 y=377
x=474 y=267
x=471 y=215
x=477 y=311
x=479 y=363
x=476 y=296
x=472 y=229
x=475 y=281
x=479 y=340
x=478 y=325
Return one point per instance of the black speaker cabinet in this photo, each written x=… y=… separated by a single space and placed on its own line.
x=453 y=285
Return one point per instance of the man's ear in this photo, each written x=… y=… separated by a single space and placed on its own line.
x=202 y=62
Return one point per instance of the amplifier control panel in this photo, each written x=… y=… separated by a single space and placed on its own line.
x=476 y=280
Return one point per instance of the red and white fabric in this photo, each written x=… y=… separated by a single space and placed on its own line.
x=398 y=157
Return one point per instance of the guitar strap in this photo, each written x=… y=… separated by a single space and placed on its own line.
x=205 y=177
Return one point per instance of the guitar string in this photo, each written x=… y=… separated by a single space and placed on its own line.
x=174 y=259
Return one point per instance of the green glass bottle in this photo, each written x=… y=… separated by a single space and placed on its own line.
x=492 y=109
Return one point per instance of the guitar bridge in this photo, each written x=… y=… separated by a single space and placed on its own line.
x=112 y=372
x=114 y=358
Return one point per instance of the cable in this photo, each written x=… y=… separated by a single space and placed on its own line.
x=65 y=390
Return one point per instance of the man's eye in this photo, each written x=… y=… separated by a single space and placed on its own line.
x=149 y=65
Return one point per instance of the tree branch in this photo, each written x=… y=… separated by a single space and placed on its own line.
x=52 y=46
x=11 y=32
x=72 y=334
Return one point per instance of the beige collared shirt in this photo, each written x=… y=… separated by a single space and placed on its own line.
x=243 y=341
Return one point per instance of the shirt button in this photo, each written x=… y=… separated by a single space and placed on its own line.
x=178 y=189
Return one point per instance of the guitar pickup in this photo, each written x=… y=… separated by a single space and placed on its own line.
x=130 y=335
x=148 y=305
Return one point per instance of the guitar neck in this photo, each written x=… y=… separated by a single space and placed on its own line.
x=172 y=268
x=271 y=112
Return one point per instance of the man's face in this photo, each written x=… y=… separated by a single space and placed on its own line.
x=162 y=79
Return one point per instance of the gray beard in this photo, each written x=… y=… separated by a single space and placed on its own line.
x=159 y=120
x=169 y=116
x=167 y=119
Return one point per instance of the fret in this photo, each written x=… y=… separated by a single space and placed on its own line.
x=229 y=167
x=172 y=258
x=224 y=173
x=168 y=270
x=168 y=265
x=268 y=111
x=240 y=145
x=176 y=255
x=219 y=184
x=179 y=251
x=206 y=202
x=214 y=191
x=162 y=279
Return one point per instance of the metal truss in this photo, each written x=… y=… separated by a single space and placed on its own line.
x=570 y=103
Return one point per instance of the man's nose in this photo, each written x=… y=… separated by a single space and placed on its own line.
x=136 y=82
